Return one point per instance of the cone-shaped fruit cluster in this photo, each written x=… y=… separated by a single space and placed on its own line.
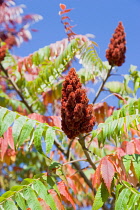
x=77 y=116
x=115 y=54
x=2 y=52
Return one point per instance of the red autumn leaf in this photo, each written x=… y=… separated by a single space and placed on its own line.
x=51 y=120
x=4 y=145
x=64 y=11
x=69 y=28
x=128 y=147
x=64 y=191
x=137 y=146
x=96 y=177
x=135 y=132
x=65 y=17
x=43 y=204
x=62 y=6
x=107 y=171
x=120 y=152
x=66 y=23
x=55 y=121
x=56 y=199
x=72 y=184
x=71 y=34
x=9 y=138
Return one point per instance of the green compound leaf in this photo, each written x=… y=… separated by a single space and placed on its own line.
x=133 y=201
x=127 y=162
x=31 y=199
x=9 y=205
x=37 y=137
x=7 y=122
x=2 y=113
x=26 y=131
x=41 y=190
x=20 y=201
x=124 y=197
x=101 y=196
x=136 y=163
x=16 y=129
x=49 y=139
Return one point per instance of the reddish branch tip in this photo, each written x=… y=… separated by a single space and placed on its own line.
x=2 y=52
x=115 y=54
x=77 y=116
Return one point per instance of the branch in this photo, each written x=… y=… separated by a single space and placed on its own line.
x=69 y=146
x=73 y=161
x=57 y=144
x=82 y=143
x=62 y=149
x=16 y=88
x=102 y=85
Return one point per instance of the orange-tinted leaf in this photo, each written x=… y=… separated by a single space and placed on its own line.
x=51 y=120
x=64 y=11
x=43 y=204
x=62 y=6
x=107 y=171
x=134 y=131
x=55 y=121
x=101 y=111
x=56 y=199
x=72 y=184
x=65 y=17
x=120 y=97
x=128 y=147
x=69 y=28
x=96 y=177
x=137 y=146
x=132 y=178
x=66 y=23
x=71 y=34
x=120 y=152
x=8 y=137
x=4 y=145
x=64 y=191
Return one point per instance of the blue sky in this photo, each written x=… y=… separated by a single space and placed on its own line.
x=98 y=17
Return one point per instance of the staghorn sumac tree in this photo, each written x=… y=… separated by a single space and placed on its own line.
x=81 y=155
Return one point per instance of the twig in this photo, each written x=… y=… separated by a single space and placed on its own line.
x=107 y=97
x=58 y=145
x=62 y=149
x=69 y=146
x=102 y=85
x=16 y=88
x=82 y=143
x=73 y=161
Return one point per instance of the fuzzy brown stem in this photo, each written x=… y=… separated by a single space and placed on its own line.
x=102 y=85
x=82 y=143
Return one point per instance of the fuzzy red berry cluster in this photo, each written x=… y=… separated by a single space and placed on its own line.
x=2 y=52
x=77 y=115
x=117 y=47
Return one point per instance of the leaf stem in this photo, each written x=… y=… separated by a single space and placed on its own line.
x=102 y=85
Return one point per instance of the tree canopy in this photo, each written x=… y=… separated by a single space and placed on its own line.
x=57 y=151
